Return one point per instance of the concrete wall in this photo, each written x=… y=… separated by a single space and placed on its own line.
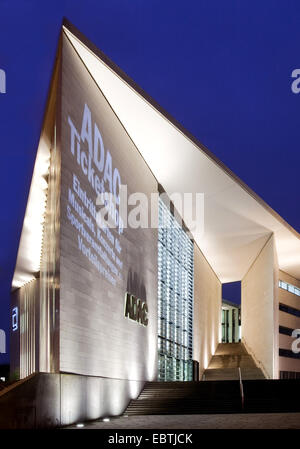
x=48 y=400
x=259 y=310
x=207 y=311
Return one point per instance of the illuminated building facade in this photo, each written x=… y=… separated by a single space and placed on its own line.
x=98 y=311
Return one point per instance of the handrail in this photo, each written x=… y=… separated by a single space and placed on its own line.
x=241 y=388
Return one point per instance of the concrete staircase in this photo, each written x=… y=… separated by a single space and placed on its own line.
x=227 y=360
x=220 y=396
x=221 y=391
x=187 y=398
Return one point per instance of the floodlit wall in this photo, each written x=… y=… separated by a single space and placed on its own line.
x=207 y=311
x=259 y=310
x=97 y=267
x=46 y=400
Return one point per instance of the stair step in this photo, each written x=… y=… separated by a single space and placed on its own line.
x=232 y=361
x=261 y=396
x=143 y=407
x=230 y=349
x=225 y=364
x=233 y=374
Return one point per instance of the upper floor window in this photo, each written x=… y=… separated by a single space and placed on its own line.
x=290 y=288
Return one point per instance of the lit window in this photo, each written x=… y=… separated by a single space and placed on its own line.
x=289 y=287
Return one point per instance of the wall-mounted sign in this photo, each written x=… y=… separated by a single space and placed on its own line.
x=136 y=309
x=15 y=319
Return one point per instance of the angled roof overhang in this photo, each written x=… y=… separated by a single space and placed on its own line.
x=237 y=222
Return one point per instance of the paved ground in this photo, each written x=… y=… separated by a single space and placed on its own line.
x=224 y=421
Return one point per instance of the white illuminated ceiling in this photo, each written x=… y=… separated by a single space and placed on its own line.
x=237 y=222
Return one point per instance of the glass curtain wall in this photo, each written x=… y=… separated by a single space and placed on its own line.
x=175 y=299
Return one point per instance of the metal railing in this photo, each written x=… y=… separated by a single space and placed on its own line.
x=241 y=388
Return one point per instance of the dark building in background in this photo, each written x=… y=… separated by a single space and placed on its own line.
x=231 y=322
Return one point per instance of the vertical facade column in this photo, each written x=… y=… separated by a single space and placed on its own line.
x=259 y=308
x=207 y=311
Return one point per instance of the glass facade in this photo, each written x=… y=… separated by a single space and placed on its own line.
x=231 y=324
x=175 y=299
x=225 y=326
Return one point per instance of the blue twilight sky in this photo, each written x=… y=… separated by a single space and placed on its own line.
x=222 y=68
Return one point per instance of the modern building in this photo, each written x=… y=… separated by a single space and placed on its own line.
x=231 y=322
x=98 y=311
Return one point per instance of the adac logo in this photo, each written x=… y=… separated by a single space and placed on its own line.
x=136 y=309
